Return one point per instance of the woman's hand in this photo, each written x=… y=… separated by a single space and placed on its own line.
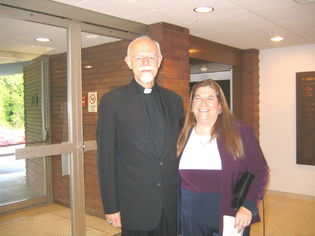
x=114 y=219
x=243 y=218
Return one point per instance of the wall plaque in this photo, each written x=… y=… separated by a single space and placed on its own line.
x=305 y=118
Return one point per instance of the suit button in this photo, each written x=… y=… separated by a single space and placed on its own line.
x=161 y=163
x=159 y=184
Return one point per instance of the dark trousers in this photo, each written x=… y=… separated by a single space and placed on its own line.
x=164 y=228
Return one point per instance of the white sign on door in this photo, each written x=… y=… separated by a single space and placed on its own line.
x=92 y=102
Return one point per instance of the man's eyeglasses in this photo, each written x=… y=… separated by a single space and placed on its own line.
x=140 y=58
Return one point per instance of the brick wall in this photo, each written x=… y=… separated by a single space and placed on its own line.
x=33 y=124
x=250 y=88
x=59 y=124
x=174 y=72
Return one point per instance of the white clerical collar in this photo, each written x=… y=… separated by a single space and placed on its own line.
x=147 y=91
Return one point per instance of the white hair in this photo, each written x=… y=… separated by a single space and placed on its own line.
x=144 y=37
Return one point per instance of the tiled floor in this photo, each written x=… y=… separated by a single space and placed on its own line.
x=91 y=221
x=286 y=217
x=283 y=217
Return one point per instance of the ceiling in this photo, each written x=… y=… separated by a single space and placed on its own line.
x=242 y=24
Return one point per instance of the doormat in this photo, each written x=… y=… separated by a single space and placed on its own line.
x=47 y=224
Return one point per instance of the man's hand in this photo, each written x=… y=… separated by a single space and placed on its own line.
x=114 y=219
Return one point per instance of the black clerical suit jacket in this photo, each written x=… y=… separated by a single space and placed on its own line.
x=134 y=179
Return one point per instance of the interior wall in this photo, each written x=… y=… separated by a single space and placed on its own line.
x=278 y=68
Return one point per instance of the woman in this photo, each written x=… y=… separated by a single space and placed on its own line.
x=214 y=151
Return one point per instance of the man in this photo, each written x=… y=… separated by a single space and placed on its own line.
x=137 y=130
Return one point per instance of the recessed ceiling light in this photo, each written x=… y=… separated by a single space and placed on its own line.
x=203 y=9
x=88 y=67
x=276 y=39
x=204 y=68
x=91 y=36
x=43 y=39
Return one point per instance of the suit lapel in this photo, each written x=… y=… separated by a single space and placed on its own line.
x=172 y=124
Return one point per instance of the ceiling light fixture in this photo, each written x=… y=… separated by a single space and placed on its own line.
x=204 y=68
x=91 y=36
x=203 y=9
x=276 y=39
x=41 y=39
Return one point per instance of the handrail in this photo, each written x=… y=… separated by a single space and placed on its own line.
x=46 y=150
x=17 y=144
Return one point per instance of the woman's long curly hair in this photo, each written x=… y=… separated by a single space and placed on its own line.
x=224 y=127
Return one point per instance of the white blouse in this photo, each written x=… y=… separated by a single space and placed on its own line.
x=200 y=154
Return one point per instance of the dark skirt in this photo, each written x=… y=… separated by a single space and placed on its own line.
x=199 y=213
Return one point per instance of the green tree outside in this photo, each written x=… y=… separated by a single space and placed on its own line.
x=12 y=101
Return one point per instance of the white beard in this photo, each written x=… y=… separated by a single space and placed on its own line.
x=146 y=78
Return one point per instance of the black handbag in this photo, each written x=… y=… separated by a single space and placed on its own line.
x=241 y=189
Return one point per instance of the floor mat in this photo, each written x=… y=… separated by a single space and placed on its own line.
x=46 y=224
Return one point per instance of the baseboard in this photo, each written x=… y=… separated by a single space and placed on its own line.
x=290 y=195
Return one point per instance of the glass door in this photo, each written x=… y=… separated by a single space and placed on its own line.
x=25 y=110
x=33 y=46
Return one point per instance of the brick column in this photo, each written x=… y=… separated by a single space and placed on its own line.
x=250 y=88
x=174 y=72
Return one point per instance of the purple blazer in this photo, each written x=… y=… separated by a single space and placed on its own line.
x=232 y=171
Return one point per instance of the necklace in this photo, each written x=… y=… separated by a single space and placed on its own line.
x=202 y=139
